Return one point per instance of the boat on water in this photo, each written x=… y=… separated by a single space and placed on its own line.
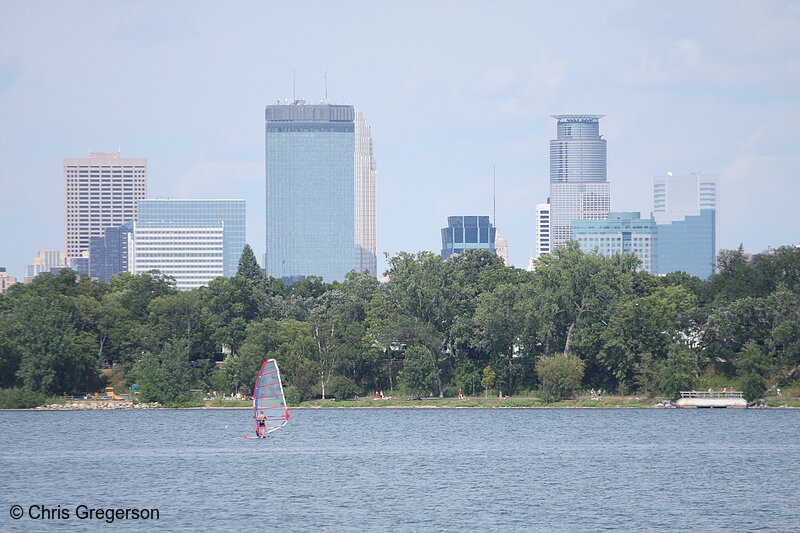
x=270 y=412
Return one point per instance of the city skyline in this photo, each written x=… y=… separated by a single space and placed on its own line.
x=683 y=87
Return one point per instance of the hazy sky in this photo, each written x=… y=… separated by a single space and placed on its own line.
x=449 y=88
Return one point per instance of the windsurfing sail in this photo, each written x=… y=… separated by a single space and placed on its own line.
x=269 y=403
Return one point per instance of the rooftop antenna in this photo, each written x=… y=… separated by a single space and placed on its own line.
x=494 y=198
x=325 y=81
x=294 y=86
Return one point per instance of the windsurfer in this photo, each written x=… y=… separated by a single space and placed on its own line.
x=262 y=423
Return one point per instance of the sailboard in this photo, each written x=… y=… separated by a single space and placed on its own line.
x=269 y=400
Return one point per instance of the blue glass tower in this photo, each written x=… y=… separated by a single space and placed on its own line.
x=688 y=245
x=467 y=232
x=108 y=255
x=685 y=208
x=320 y=192
x=230 y=214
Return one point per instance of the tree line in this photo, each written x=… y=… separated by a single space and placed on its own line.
x=435 y=327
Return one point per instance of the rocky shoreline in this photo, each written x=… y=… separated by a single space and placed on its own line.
x=97 y=406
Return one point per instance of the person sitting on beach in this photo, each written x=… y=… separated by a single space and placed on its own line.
x=262 y=424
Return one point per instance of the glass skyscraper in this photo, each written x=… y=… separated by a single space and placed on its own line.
x=108 y=255
x=467 y=232
x=620 y=233
x=579 y=188
x=226 y=215
x=685 y=209
x=320 y=192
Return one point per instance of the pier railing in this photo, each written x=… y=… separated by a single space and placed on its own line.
x=711 y=394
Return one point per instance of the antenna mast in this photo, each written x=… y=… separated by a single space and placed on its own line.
x=494 y=198
x=294 y=86
x=325 y=80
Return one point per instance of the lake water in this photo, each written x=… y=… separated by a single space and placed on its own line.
x=407 y=470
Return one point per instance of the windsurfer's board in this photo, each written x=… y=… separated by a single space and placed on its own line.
x=252 y=437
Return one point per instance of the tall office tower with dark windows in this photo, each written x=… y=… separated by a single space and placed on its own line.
x=466 y=233
x=579 y=188
x=108 y=255
x=685 y=210
x=321 y=190
x=101 y=191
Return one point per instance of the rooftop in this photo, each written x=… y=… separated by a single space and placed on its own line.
x=577 y=118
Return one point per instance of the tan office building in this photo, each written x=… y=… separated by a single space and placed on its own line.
x=101 y=191
x=6 y=281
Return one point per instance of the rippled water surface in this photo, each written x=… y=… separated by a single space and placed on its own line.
x=398 y=470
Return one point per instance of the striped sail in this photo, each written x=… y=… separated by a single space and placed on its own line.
x=268 y=398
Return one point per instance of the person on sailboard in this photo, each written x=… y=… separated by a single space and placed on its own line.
x=262 y=423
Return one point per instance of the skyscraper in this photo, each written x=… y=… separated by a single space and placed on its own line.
x=192 y=255
x=468 y=232
x=541 y=231
x=685 y=209
x=46 y=261
x=579 y=187
x=101 y=191
x=108 y=255
x=620 y=233
x=321 y=188
x=6 y=281
x=188 y=217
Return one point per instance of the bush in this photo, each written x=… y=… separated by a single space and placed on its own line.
x=753 y=387
x=18 y=398
x=292 y=394
x=185 y=401
x=343 y=388
x=559 y=375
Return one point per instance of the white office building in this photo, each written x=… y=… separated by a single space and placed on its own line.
x=193 y=256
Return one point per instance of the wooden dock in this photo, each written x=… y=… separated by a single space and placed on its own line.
x=711 y=399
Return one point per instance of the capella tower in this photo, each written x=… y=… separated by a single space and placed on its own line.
x=321 y=188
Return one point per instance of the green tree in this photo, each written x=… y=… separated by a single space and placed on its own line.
x=646 y=374
x=54 y=357
x=574 y=286
x=135 y=291
x=232 y=304
x=288 y=341
x=487 y=380
x=754 y=367
x=419 y=371
x=500 y=318
x=180 y=315
x=559 y=375
x=678 y=371
x=248 y=266
x=640 y=332
x=735 y=277
x=166 y=376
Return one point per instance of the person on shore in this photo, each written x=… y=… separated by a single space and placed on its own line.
x=460 y=394
x=262 y=424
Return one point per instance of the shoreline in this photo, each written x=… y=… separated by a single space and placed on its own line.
x=618 y=403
